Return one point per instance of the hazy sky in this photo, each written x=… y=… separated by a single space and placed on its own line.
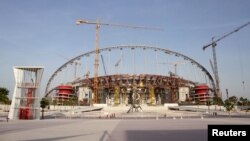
x=34 y=32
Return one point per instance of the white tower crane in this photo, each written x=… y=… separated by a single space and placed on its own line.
x=76 y=63
x=214 y=65
x=175 y=64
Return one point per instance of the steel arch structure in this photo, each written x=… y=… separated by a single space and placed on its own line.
x=48 y=90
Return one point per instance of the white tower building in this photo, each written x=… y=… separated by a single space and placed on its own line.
x=26 y=99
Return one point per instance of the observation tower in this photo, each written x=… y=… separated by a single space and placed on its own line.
x=26 y=97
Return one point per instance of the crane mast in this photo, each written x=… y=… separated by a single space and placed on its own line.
x=97 y=24
x=96 y=64
x=214 y=65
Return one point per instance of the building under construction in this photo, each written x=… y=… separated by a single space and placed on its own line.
x=153 y=88
x=118 y=90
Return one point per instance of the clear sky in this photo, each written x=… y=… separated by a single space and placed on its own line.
x=34 y=32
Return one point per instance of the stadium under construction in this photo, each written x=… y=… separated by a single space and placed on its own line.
x=142 y=76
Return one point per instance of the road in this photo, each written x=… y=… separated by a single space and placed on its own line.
x=192 y=129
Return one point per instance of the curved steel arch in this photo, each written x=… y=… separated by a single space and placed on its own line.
x=47 y=91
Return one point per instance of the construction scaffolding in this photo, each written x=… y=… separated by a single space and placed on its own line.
x=152 y=89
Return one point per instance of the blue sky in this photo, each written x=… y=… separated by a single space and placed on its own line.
x=34 y=32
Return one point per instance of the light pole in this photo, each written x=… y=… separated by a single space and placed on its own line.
x=227 y=93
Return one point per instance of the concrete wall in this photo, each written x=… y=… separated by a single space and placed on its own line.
x=63 y=108
x=4 y=107
x=212 y=107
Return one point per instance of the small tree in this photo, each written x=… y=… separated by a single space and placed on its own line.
x=4 y=96
x=54 y=103
x=233 y=99
x=245 y=102
x=208 y=105
x=66 y=103
x=229 y=105
x=43 y=103
x=73 y=101
x=217 y=101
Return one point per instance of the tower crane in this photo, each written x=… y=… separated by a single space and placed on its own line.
x=214 y=65
x=98 y=24
x=76 y=63
x=175 y=64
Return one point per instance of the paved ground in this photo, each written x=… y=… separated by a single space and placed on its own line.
x=192 y=129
